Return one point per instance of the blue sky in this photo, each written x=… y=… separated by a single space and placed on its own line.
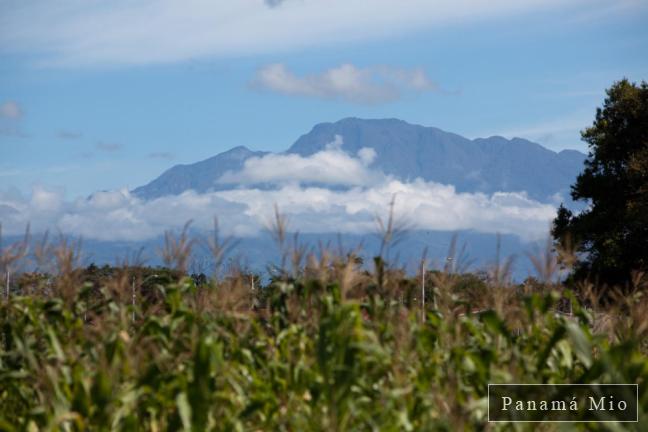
x=96 y=97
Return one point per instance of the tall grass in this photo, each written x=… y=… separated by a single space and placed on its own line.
x=327 y=345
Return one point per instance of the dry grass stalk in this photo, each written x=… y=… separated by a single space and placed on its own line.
x=176 y=252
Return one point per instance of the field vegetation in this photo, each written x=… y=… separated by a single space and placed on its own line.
x=330 y=343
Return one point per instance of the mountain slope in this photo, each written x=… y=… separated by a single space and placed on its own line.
x=200 y=176
x=482 y=165
x=408 y=151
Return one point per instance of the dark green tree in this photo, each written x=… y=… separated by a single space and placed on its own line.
x=612 y=232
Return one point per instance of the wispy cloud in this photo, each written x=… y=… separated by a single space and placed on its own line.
x=58 y=169
x=10 y=172
x=161 y=155
x=11 y=115
x=69 y=135
x=559 y=133
x=273 y=3
x=107 y=146
x=144 y=31
x=12 y=131
x=11 y=110
x=609 y=9
x=347 y=82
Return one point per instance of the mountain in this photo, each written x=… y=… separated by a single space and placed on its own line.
x=408 y=151
x=200 y=176
x=7 y=210
x=481 y=165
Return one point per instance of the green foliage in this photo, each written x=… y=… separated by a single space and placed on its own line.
x=613 y=231
x=314 y=360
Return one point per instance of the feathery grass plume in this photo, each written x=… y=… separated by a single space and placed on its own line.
x=43 y=254
x=219 y=249
x=346 y=270
x=501 y=270
x=67 y=253
x=546 y=264
x=450 y=292
x=566 y=249
x=176 y=252
x=551 y=267
x=622 y=316
x=237 y=292
x=125 y=284
x=11 y=258
x=318 y=264
x=502 y=293
x=278 y=229
x=391 y=232
x=298 y=252
x=39 y=281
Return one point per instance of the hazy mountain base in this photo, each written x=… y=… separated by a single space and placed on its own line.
x=476 y=251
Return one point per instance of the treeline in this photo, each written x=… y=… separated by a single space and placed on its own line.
x=145 y=283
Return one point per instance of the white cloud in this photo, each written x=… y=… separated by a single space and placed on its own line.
x=117 y=215
x=45 y=200
x=415 y=79
x=331 y=166
x=367 y=155
x=11 y=110
x=427 y=205
x=81 y=32
x=347 y=82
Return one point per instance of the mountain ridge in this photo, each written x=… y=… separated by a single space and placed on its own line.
x=199 y=176
x=406 y=151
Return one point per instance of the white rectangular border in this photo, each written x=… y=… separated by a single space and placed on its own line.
x=562 y=421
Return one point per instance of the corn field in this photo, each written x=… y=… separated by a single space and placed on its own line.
x=326 y=345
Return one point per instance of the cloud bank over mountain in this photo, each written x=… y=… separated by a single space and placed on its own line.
x=389 y=147
x=246 y=210
x=331 y=166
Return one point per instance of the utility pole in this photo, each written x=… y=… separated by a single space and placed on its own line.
x=423 y=290
x=133 y=299
x=253 y=302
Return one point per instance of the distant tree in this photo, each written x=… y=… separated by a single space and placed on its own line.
x=612 y=232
